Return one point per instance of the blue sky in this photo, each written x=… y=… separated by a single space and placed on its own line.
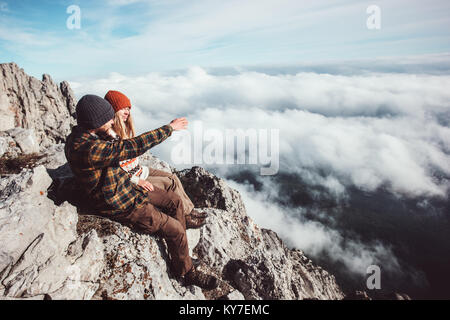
x=139 y=36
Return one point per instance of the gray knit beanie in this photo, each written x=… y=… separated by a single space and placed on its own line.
x=93 y=111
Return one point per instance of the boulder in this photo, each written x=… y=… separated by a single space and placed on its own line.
x=26 y=102
x=41 y=254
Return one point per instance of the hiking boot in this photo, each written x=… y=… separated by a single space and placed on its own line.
x=194 y=223
x=198 y=214
x=200 y=279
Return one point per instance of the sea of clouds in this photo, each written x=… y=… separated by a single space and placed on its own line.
x=365 y=129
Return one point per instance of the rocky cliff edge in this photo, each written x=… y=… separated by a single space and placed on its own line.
x=49 y=249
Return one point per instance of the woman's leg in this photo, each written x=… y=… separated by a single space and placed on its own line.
x=170 y=182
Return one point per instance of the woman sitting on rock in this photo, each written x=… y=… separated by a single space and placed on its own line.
x=148 y=178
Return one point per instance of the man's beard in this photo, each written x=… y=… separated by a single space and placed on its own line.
x=103 y=134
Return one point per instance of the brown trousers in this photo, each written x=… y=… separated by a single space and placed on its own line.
x=168 y=195
x=170 y=181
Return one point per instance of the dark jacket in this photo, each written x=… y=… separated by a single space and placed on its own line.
x=95 y=164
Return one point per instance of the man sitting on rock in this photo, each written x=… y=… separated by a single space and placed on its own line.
x=95 y=163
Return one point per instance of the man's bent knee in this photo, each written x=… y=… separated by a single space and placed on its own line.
x=172 y=229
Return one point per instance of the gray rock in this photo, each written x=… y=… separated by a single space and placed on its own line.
x=235 y=295
x=29 y=103
x=376 y=295
x=41 y=253
x=206 y=190
x=8 y=146
x=4 y=145
x=254 y=261
x=135 y=266
x=25 y=140
x=55 y=158
x=69 y=96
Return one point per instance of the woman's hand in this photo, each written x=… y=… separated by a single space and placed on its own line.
x=179 y=124
x=146 y=185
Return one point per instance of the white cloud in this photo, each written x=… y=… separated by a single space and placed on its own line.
x=367 y=130
x=313 y=237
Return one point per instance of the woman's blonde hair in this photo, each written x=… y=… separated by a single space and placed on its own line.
x=124 y=129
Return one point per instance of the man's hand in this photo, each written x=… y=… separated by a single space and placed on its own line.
x=179 y=124
x=145 y=184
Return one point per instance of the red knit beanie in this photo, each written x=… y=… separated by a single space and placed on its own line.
x=118 y=100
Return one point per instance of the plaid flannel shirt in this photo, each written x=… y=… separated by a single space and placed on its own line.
x=95 y=164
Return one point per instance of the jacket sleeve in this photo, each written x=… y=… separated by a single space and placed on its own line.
x=106 y=153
